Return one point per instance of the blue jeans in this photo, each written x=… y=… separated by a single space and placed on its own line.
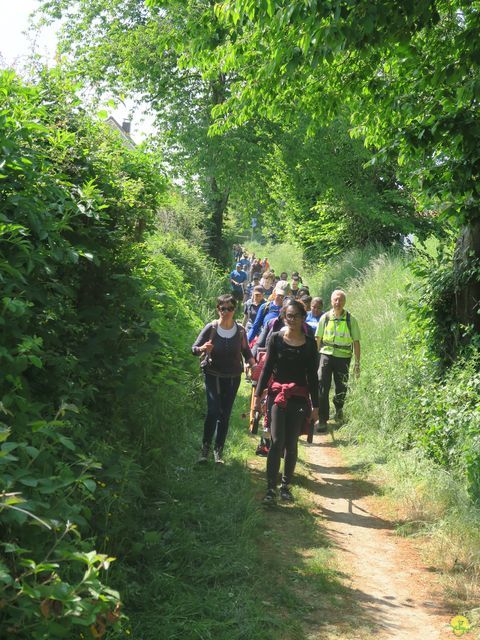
x=221 y=393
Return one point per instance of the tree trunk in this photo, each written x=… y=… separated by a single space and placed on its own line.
x=219 y=204
x=219 y=197
x=466 y=266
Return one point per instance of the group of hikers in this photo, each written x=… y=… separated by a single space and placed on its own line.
x=305 y=348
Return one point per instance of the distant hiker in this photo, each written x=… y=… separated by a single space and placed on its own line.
x=315 y=313
x=222 y=344
x=267 y=281
x=237 y=279
x=267 y=311
x=295 y=286
x=338 y=338
x=251 y=307
x=306 y=300
x=290 y=373
x=252 y=285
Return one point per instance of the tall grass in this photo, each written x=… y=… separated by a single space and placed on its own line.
x=399 y=416
x=416 y=434
x=282 y=257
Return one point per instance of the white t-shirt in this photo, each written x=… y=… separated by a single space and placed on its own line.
x=227 y=333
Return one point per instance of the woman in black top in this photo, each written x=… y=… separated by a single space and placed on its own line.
x=221 y=344
x=290 y=373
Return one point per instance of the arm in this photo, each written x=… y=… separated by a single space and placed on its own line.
x=319 y=334
x=356 y=352
x=312 y=375
x=270 y=360
x=262 y=338
x=203 y=342
x=258 y=323
x=246 y=353
x=245 y=315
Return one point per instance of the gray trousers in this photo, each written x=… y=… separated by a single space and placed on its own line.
x=338 y=368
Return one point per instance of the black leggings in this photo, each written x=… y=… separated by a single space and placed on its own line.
x=221 y=394
x=285 y=428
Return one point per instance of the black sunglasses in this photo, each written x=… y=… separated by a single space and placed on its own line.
x=226 y=308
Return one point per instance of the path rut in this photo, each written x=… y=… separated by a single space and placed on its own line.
x=384 y=573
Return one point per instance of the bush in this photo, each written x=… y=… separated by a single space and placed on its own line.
x=93 y=359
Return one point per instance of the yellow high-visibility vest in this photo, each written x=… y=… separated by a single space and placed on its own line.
x=337 y=337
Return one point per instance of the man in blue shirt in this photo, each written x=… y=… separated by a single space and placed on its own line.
x=315 y=313
x=245 y=262
x=237 y=279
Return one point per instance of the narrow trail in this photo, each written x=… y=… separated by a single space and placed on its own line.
x=395 y=596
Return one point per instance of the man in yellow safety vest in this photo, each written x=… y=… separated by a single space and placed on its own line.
x=338 y=338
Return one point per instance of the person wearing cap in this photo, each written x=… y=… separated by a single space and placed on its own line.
x=268 y=310
x=246 y=263
x=237 y=280
x=251 y=307
x=251 y=286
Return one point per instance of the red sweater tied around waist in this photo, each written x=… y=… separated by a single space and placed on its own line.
x=283 y=392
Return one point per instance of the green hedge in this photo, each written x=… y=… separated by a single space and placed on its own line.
x=93 y=329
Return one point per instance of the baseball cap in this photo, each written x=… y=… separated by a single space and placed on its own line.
x=282 y=287
x=239 y=264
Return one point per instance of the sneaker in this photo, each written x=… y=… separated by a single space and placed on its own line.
x=217 y=455
x=203 y=457
x=285 y=493
x=270 y=497
x=321 y=427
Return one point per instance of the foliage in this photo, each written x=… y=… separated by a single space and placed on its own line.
x=141 y=48
x=410 y=91
x=89 y=360
x=400 y=403
x=407 y=77
x=203 y=282
x=330 y=199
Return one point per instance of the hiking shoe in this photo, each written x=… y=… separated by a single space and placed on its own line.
x=217 y=455
x=203 y=457
x=285 y=493
x=321 y=427
x=261 y=450
x=270 y=497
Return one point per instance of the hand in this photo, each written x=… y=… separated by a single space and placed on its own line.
x=356 y=369
x=207 y=347
x=314 y=415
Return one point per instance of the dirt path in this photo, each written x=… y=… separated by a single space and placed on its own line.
x=394 y=595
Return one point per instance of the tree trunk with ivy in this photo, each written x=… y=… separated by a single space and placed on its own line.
x=218 y=196
x=467 y=276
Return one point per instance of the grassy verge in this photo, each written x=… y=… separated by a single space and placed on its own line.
x=402 y=419
x=197 y=570
x=210 y=562
x=391 y=410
